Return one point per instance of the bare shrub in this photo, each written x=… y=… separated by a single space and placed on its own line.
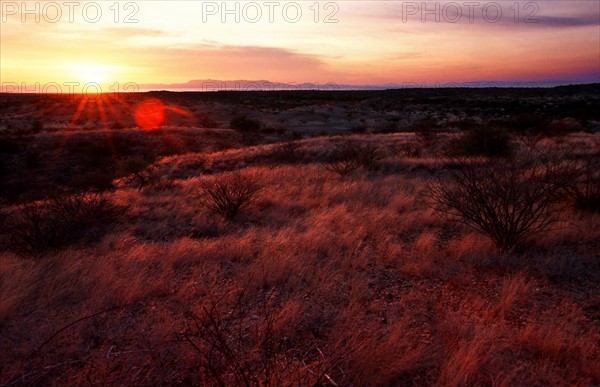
x=483 y=141
x=510 y=201
x=93 y=180
x=137 y=167
x=369 y=155
x=243 y=346
x=286 y=153
x=187 y=168
x=228 y=194
x=221 y=341
x=427 y=132
x=205 y=120
x=347 y=157
x=528 y=122
x=343 y=160
x=531 y=139
x=244 y=124
x=408 y=149
x=584 y=188
x=56 y=221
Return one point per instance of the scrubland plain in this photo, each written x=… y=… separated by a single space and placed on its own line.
x=453 y=243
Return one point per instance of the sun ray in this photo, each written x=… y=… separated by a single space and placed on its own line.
x=112 y=103
x=107 y=132
x=71 y=125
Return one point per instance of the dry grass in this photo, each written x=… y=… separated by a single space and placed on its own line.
x=351 y=281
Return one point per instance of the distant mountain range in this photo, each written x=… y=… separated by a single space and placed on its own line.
x=200 y=85
x=264 y=85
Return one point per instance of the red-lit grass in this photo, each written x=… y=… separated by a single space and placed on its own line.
x=352 y=281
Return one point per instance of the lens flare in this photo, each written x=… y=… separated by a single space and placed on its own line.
x=150 y=114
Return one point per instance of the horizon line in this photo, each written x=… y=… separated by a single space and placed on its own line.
x=286 y=87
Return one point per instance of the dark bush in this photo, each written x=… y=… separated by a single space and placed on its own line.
x=137 y=167
x=32 y=159
x=389 y=127
x=125 y=146
x=56 y=221
x=206 y=121
x=37 y=126
x=244 y=124
x=10 y=145
x=293 y=135
x=343 y=160
x=349 y=156
x=408 y=149
x=359 y=129
x=93 y=157
x=428 y=138
x=286 y=153
x=228 y=194
x=510 y=201
x=427 y=132
x=584 y=185
x=466 y=124
x=369 y=155
x=527 y=123
x=93 y=180
x=483 y=141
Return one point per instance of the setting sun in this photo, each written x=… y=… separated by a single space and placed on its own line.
x=87 y=73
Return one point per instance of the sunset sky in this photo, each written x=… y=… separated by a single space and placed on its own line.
x=366 y=42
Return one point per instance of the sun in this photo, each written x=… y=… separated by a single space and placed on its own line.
x=92 y=73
